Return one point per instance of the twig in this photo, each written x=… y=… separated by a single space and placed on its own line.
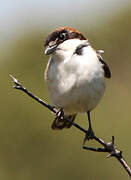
x=51 y=108
x=107 y=147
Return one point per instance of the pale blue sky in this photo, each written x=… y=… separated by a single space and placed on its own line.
x=16 y=16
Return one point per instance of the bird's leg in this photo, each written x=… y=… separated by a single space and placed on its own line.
x=89 y=134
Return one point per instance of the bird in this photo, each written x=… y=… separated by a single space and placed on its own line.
x=75 y=75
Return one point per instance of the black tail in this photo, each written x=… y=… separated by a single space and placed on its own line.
x=59 y=124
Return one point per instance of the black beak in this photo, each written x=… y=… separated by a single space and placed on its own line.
x=49 y=50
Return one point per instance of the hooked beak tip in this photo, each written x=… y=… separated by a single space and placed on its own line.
x=49 y=50
x=46 y=51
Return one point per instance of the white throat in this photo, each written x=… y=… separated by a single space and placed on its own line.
x=67 y=48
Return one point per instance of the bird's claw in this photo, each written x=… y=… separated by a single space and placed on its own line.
x=89 y=135
x=60 y=114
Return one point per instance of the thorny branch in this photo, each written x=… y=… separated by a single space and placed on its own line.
x=107 y=147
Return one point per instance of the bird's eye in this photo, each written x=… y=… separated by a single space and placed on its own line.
x=62 y=36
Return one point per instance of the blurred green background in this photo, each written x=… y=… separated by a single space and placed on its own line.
x=29 y=149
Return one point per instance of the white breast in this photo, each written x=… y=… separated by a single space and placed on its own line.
x=75 y=82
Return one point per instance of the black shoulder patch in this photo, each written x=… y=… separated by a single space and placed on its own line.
x=106 y=69
x=79 y=49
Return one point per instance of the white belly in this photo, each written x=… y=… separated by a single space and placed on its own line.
x=75 y=86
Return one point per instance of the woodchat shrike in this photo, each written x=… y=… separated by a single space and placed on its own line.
x=75 y=74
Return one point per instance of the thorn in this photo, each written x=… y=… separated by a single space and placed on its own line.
x=113 y=139
x=17 y=87
x=109 y=155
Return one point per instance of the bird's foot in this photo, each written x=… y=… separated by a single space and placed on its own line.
x=89 y=135
x=60 y=114
x=58 y=122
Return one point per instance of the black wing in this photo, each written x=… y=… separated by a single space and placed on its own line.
x=106 y=69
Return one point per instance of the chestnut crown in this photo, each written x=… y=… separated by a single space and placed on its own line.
x=61 y=34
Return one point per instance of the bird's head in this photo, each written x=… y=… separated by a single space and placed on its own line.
x=59 y=36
